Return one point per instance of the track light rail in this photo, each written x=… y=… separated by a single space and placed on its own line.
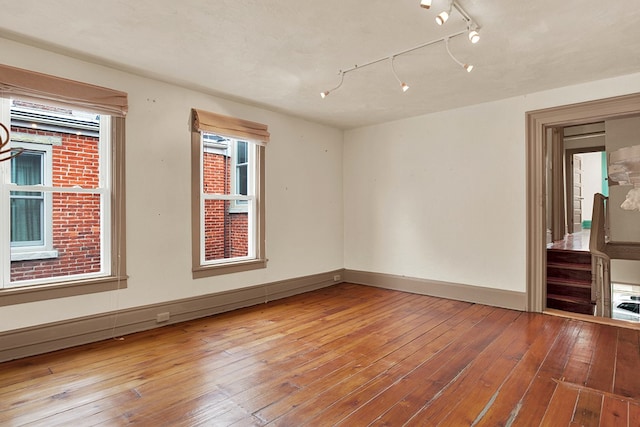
x=471 y=30
x=402 y=52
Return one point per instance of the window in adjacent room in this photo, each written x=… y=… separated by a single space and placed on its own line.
x=31 y=212
x=61 y=204
x=228 y=194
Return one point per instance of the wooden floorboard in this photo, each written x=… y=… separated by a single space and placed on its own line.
x=347 y=355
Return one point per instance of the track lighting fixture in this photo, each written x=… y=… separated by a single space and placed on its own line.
x=467 y=67
x=474 y=36
x=324 y=94
x=472 y=31
x=425 y=3
x=472 y=26
x=442 y=17
x=403 y=85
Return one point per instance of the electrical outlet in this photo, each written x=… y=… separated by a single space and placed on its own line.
x=163 y=317
x=336 y=278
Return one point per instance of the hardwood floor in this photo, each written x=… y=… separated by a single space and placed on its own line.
x=346 y=355
x=577 y=241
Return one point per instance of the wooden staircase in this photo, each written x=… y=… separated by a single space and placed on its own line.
x=569 y=281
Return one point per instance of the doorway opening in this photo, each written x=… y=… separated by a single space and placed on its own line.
x=538 y=123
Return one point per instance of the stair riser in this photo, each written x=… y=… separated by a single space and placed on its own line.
x=573 y=267
x=578 y=292
x=564 y=273
x=573 y=308
x=568 y=256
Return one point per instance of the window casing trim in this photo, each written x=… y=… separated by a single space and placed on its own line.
x=260 y=261
x=27 y=294
x=52 y=89
x=46 y=88
x=117 y=279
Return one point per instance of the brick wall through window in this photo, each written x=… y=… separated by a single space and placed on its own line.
x=75 y=217
x=226 y=232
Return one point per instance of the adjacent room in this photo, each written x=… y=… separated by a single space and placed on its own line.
x=409 y=212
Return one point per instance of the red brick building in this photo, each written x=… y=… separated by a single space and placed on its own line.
x=64 y=237
x=226 y=224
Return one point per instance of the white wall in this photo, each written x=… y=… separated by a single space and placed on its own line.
x=442 y=196
x=625 y=271
x=624 y=225
x=591 y=181
x=303 y=194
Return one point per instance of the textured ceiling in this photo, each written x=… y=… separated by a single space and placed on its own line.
x=281 y=54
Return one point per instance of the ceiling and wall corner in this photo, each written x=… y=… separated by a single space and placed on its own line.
x=281 y=55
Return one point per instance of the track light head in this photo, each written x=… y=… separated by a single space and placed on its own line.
x=442 y=17
x=324 y=94
x=403 y=85
x=467 y=67
x=474 y=36
x=425 y=3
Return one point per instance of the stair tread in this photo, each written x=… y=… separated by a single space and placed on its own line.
x=569 y=265
x=569 y=282
x=574 y=300
x=568 y=251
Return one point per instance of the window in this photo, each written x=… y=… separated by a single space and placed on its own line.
x=228 y=194
x=61 y=203
x=31 y=211
x=242 y=157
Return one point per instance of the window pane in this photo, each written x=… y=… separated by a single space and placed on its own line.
x=27 y=212
x=76 y=238
x=26 y=169
x=225 y=233
x=26 y=220
x=242 y=152
x=241 y=179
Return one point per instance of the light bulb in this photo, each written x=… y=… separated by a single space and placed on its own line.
x=442 y=18
x=474 y=36
x=468 y=67
x=324 y=94
x=405 y=87
x=425 y=3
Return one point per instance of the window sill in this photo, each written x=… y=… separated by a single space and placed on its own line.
x=242 y=210
x=33 y=255
x=26 y=294
x=228 y=268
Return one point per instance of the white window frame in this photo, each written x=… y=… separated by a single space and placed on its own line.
x=103 y=189
x=240 y=206
x=45 y=250
x=250 y=200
